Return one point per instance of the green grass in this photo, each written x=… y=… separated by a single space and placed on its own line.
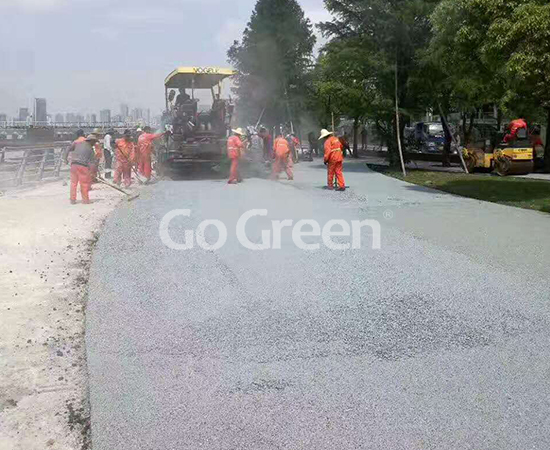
x=522 y=193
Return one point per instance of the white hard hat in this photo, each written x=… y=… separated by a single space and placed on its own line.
x=239 y=131
x=325 y=133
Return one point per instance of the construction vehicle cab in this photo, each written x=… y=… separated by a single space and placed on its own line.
x=198 y=132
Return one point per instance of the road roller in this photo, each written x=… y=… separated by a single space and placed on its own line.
x=508 y=158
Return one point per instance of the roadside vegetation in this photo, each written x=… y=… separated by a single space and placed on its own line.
x=519 y=192
x=459 y=57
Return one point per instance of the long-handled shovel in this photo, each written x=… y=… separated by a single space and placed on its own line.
x=138 y=176
x=129 y=197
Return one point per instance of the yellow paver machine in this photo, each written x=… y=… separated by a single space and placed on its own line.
x=199 y=129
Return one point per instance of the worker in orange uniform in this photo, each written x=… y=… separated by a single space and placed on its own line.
x=334 y=159
x=98 y=150
x=235 y=150
x=82 y=157
x=145 y=149
x=295 y=145
x=125 y=159
x=80 y=137
x=283 y=158
x=268 y=144
x=514 y=127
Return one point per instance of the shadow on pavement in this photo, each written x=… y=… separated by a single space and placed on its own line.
x=194 y=173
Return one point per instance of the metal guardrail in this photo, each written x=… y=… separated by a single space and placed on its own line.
x=15 y=124
x=20 y=165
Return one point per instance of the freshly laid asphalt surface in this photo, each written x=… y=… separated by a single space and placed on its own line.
x=439 y=340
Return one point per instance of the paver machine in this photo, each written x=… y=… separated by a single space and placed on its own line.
x=198 y=132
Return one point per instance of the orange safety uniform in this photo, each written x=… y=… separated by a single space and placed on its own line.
x=514 y=127
x=145 y=149
x=235 y=149
x=125 y=158
x=283 y=159
x=334 y=158
x=98 y=151
x=82 y=158
x=80 y=175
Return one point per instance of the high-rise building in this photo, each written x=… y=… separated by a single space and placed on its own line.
x=148 y=117
x=71 y=117
x=79 y=118
x=93 y=118
x=3 y=118
x=137 y=114
x=105 y=115
x=124 y=111
x=23 y=114
x=59 y=118
x=40 y=110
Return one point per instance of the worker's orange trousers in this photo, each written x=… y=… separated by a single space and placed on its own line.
x=123 y=171
x=234 y=176
x=336 y=168
x=144 y=167
x=80 y=175
x=283 y=162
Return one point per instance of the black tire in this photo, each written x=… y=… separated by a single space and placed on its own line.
x=470 y=162
x=503 y=166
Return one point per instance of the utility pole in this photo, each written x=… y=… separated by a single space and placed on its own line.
x=453 y=139
x=289 y=112
x=398 y=124
x=260 y=118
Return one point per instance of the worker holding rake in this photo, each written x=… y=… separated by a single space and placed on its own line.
x=125 y=158
x=82 y=158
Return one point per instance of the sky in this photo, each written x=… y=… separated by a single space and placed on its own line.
x=87 y=55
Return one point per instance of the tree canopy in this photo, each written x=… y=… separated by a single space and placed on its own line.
x=273 y=58
x=443 y=55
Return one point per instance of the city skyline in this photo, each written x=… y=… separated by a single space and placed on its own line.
x=73 y=80
x=40 y=104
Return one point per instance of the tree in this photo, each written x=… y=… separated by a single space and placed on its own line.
x=273 y=58
x=496 y=52
x=520 y=41
x=342 y=83
x=388 y=34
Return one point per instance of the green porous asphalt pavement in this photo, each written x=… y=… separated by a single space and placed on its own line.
x=438 y=340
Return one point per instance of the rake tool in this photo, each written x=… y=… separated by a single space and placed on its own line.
x=129 y=197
